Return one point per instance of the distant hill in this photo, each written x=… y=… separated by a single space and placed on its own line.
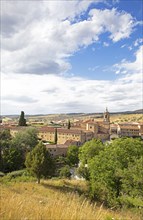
x=139 y=111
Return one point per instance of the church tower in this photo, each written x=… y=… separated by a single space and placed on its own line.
x=106 y=116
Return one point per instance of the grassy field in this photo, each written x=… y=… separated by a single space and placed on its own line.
x=53 y=200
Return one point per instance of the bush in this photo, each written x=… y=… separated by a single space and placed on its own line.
x=130 y=202
x=17 y=173
x=65 y=172
x=17 y=176
x=2 y=174
x=83 y=171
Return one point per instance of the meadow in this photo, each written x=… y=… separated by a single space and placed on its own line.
x=53 y=200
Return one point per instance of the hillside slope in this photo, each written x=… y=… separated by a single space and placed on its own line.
x=52 y=200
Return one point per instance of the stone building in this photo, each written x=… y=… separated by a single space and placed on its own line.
x=100 y=129
x=63 y=134
x=128 y=130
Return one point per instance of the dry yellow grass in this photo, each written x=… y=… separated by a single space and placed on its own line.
x=126 y=118
x=52 y=200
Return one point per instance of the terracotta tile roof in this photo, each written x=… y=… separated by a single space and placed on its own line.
x=129 y=127
x=69 y=142
x=19 y=128
x=55 y=146
x=113 y=125
x=92 y=123
x=129 y=123
x=89 y=132
x=101 y=132
x=2 y=127
x=46 y=129
x=69 y=131
x=61 y=130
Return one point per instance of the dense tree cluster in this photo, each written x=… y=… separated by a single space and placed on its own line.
x=13 y=150
x=115 y=172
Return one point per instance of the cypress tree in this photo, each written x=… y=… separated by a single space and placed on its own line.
x=69 y=124
x=56 y=136
x=22 y=120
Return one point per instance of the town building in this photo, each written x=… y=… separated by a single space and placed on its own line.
x=60 y=149
x=81 y=131
x=64 y=134
x=57 y=149
x=100 y=129
x=128 y=130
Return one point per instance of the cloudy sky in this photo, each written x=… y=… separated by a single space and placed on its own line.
x=71 y=56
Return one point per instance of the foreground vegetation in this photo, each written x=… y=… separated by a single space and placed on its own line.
x=115 y=171
x=112 y=171
x=53 y=200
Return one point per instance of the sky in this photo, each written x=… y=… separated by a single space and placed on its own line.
x=71 y=56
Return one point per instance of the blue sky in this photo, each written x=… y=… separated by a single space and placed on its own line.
x=71 y=56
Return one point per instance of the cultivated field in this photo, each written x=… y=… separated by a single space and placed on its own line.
x=53 y=200
x=127 y=118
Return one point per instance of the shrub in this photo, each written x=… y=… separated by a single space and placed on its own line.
x=2 y=174
x=17 y=173
x=65 y=172
x=130 y=202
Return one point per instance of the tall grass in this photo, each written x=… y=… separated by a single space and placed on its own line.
x=52 y=200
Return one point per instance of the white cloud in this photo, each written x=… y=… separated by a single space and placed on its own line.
x=41 y=41
x=93 y=68
x=58 y=94
x=119 y=24
x=105 y=44
x=138 y=42
x=36 y=44
x=124 y=45
x=131 y=67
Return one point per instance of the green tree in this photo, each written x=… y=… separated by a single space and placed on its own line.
x=5 y=134
x=56 y=136
x=72 y=155
x=65 y=172
x=89 y=150
x=132 y=184
x=69 y=124
x=26 y=139
x=22 y=120
x=39 y=162
x=12 y=159
x=83 y=171
x=111 y=170
x=5 y=140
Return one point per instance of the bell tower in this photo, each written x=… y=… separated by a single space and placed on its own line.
x=106 y=116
